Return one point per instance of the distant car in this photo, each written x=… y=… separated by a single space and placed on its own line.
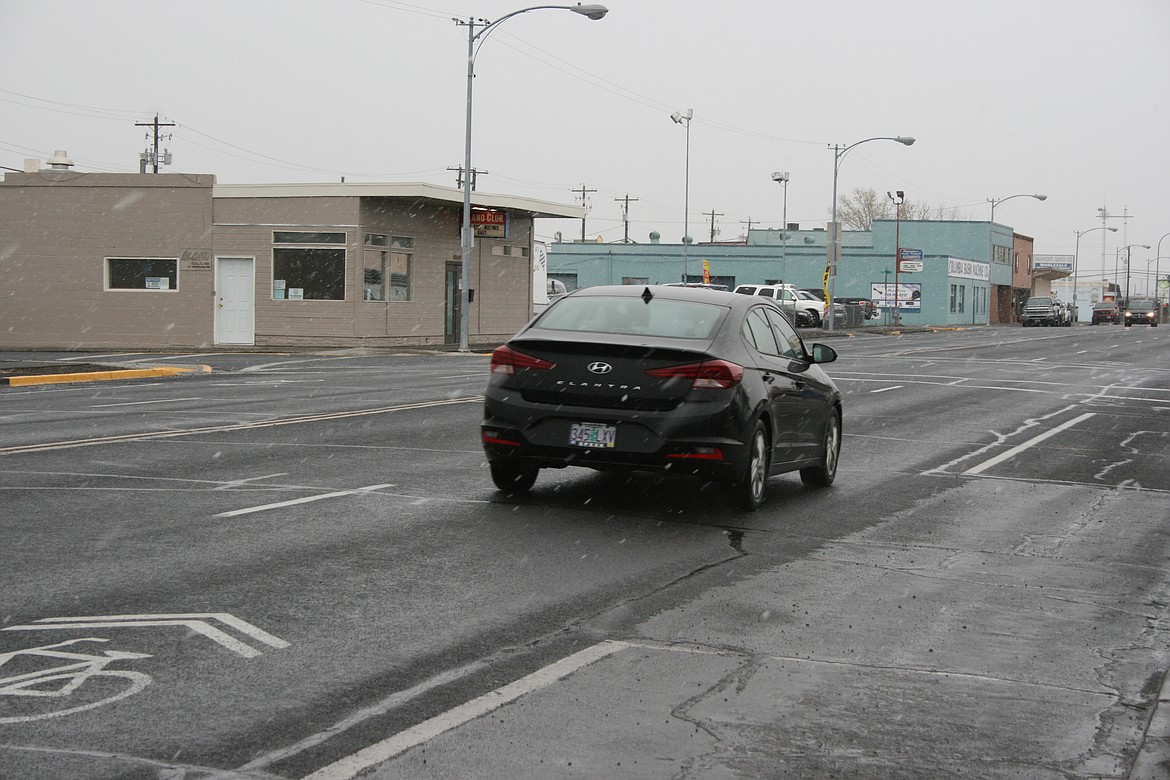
x=1106 y=311
x=1141 y=312
x=802 y=314
x=838 y=307
x=701 y=383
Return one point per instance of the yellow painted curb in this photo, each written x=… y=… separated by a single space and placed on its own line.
x=101 y=376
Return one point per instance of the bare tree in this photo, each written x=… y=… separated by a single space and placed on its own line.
x=858 y=209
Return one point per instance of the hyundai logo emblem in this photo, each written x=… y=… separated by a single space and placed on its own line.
x=600 y=368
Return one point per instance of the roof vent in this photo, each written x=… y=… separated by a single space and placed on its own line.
x=60 y=161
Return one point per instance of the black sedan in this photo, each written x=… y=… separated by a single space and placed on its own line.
x=697 y=382
x=1142 y=312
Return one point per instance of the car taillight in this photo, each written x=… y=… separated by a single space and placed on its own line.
x=506 y=360
x=709 y=374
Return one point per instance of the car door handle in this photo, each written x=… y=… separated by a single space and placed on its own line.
x=768 y=377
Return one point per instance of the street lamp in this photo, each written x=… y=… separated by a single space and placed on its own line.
x=590 y=11
x=835 y=230
x=1128 y=252
x=1158 y=270
x=685 y=121
x=1076 y=256
x=781 y=177
x=994 y=202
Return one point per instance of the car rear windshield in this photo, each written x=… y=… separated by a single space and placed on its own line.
x=632 y=316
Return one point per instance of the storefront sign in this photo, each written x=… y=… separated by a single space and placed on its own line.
x=489 y=224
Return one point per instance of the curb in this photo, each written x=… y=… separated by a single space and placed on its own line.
x=1153 y=759
x=100 y=376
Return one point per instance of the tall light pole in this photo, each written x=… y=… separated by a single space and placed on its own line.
x=591 y=11
x=1128 y=253
x=995 y=202
x=835 y=229
x=781 y=177
x=1076 y=258
x=685 y=121
x=1157 y=271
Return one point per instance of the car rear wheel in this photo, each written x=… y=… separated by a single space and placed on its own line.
x=748 y=493
x=823 y=475
x=513 y=478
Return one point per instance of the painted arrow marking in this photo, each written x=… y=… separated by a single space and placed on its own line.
x=196 y=622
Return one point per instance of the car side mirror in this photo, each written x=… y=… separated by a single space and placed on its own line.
x=821 y=353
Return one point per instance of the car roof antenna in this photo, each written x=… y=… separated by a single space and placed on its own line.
x=647 y=296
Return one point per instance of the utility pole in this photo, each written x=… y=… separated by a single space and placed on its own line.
x=156 y=125
x=1105 y=215
x=625 y=214
x=583 y=192
x=748 y=223
x=712 y=214
x=475 y=172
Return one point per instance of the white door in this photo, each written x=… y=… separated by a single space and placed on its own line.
x=235 y=298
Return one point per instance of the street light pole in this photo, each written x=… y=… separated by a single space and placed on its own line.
x=685 y=121
x=995 y=202
x=781 y=177
x=591 y=11
x=835 y=229
x=1076 y=258
x=1128 y=254
x=1157 y=271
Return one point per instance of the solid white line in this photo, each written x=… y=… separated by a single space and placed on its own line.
x=350 y=766
x=885 y=389
x=142 y=403
x=1000 y=458
x=305 y=500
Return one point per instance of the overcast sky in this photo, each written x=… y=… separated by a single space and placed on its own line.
x=1067 y=98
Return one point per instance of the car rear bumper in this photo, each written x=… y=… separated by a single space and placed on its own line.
x=706 y=446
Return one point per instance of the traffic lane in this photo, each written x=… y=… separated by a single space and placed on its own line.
x=1027 y=646
x=1016 y=622
x=45 y=416
x=444 y=579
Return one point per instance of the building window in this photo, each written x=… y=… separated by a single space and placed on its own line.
x=635 y=280
x=142 y=273
x=376 y=269
x=401 y=267
x=954 y=296
x=310 y=273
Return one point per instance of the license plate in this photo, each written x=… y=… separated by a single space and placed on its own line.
x=593 y=435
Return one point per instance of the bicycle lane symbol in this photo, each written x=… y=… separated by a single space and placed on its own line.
x=52 y=691
x=39 y=693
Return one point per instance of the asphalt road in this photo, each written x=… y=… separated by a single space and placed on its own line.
x=301 y=569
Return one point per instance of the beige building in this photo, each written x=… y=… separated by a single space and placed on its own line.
x=139 y=261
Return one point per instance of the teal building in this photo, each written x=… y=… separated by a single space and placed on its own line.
x=953 y=272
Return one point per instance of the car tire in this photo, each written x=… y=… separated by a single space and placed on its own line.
x=815 y=319
x=748 y=492
x=513 y=478
x=823 y=475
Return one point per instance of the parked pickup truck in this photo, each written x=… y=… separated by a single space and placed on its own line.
x=1046 y=310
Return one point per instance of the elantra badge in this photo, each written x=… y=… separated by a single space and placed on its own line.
x=600 y=368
